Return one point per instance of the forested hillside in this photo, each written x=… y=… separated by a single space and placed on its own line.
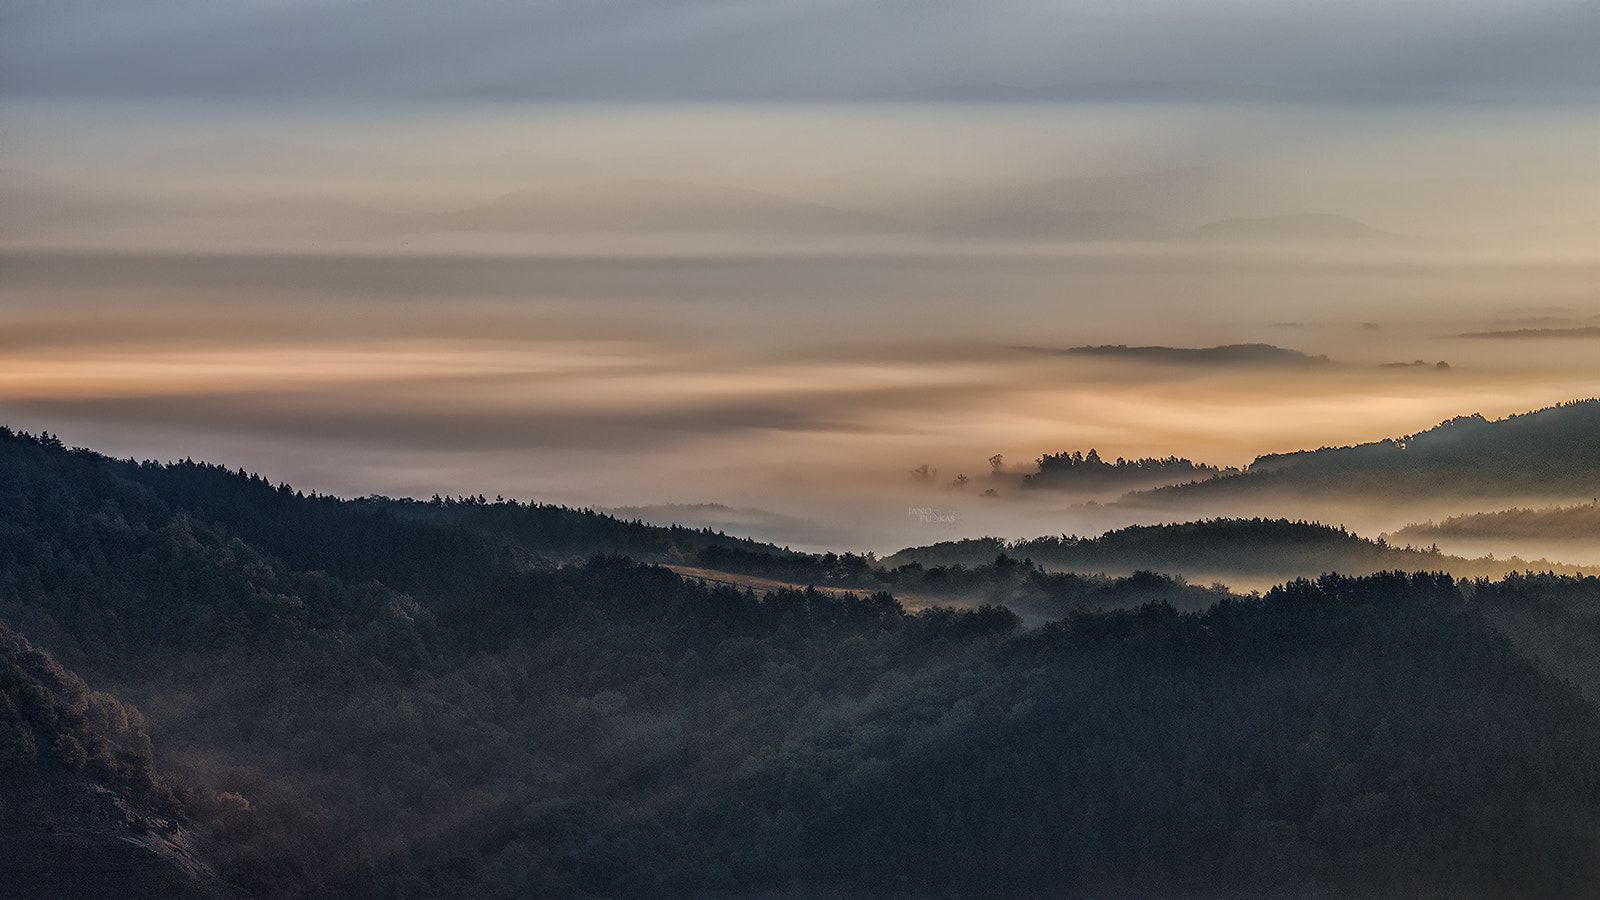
x=994 y=577
x=82 y=811
x=391 y=699
x=1552 y=523
x=1227 y=549
x=1548 y=453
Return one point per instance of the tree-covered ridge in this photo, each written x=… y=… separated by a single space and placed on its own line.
x=406 y=544
x=1552 y=452
x=1004 y=580
x=1580 y=522
x=476 y=720
x=1343 y=737
x=1075 y=471
x=328 y=674
x=1258 y=547
x=1049 y=576
x=1235 y=354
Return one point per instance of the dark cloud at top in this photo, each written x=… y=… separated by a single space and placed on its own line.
x=1227 y=355
x=684 y=49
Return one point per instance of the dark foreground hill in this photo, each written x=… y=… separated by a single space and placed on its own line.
x=353 y=702
x=81 y=812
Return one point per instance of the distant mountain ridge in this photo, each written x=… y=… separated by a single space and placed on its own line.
x=1552 y=452
x=1576 y=523
x=1235 y=354
x=1271 y=549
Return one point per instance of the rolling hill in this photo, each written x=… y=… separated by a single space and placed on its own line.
x=1240 y=552
x=1551 y=453
x=317 y=697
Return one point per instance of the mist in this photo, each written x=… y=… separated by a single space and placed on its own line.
x=782 y=308
x=1077 y=416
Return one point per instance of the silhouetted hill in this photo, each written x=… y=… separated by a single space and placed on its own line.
x=1578 y=523
x=1161 y=717
x=998 y=579
x=1552 y=453
x=1226 y=355
x=558 y=532
x=1253 y=549
x=1076 y=472
x=407 y=544
x=382 y=699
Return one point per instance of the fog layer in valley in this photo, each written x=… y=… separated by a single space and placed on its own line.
x=786 y=310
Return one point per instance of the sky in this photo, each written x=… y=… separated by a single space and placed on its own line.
x=761 y=49
x=750 y=262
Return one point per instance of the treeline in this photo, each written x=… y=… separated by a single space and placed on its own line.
x=349 y=717
x=1293 y=745
x=1560 y=523
x=1243 y=545
x=1277 y=549
x=561 y=532
x=403 y=543
x=842 y=569
x=1552 y=452
x=482 y=723
x=1076 y=471
x=1002 y=581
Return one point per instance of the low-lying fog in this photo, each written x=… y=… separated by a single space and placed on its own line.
x=765 y=318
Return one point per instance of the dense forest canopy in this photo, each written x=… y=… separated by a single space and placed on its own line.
x=377 y=698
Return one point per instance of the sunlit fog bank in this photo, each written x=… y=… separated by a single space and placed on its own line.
x=787 y=312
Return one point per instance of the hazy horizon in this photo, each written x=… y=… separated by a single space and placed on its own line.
x=669 y=255
x=837 y=275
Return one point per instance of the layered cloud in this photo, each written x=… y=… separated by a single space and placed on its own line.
x=1588 y=331
x=1226 y=355
x=783 y=306
x=637 y=49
